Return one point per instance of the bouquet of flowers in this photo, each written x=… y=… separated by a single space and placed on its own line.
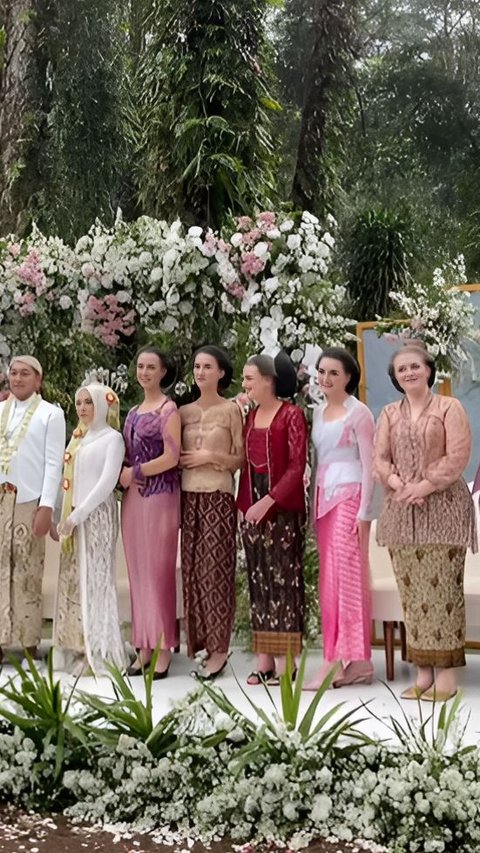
x=274 y=273
x=439 y=314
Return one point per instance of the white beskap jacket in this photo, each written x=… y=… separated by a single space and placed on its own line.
x=36 y=467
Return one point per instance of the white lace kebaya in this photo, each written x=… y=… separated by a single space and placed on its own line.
x=87 y=597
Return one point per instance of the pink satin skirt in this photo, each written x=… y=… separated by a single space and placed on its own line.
x=344 y=584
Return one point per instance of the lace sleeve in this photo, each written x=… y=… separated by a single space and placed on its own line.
x=382 y=453
x=364 y=428
x=292 y=479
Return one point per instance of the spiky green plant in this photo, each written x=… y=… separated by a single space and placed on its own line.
x=39 y=708
x=108 y=719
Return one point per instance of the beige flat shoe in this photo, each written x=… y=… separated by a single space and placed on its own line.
x=433 y=695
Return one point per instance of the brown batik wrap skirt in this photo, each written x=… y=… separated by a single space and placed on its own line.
x=22 y=558
x=274 y=557
x=208 y=548
x=430 y=583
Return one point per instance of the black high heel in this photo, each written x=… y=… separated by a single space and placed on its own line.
x=209 y=676
x=158 y=676
x=132 y=670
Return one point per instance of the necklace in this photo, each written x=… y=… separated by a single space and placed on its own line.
x=10 y=440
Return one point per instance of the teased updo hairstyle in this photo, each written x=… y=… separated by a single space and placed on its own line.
x=421 y=351
x=223 y=360
x=349 y=364
x=165 y=361
x=281 y=369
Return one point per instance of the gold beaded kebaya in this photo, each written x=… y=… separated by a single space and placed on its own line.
x=112 y=420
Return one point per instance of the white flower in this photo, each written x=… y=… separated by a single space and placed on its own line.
x=195 y=231
x=88 y=270
x=65 y=302
x=169 y=323
x=236 y=239
x=287 y=225
x=305 y=263
x=273 y=234
x=169 y=258
x=269 y=336
x=251 y=297
x=261 y=249
x=271 y=284
x=309 y=218
x=321 y=808
x=276 y=314
x=83 y=244
x=156 y=274
x=106 y=280
x=123 y=296
x=145 y=259
x=172 y=297
x=294 y=241
x=328 y=239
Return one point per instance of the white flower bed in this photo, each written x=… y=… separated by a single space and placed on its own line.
x=222 y=777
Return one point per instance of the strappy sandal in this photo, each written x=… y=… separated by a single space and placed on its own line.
x=255 y=678
x=274 y=681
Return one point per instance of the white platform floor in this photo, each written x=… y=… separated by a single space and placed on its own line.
x=380 y=700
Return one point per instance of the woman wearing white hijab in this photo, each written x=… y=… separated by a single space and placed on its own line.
x=87 y=621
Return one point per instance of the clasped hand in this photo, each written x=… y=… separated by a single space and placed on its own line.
x=195 y=458
x=411 y=494
x=65 y=528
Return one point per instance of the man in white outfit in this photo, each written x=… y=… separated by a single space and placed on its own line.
x=32 y=445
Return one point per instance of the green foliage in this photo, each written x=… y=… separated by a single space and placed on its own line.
x=414 y=144
x=108 y=720
x=85 y=150
x=39 y=709
x=377 y=253
x=434 y=733
x=201 y=118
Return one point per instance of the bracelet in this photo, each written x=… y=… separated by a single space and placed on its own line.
x=137 y=472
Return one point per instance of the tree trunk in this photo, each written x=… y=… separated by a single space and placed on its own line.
x=16 y=108
x=326 y=79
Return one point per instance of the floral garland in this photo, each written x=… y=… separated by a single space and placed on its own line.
x=268 y=275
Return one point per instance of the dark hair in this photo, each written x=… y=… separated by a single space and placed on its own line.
x=223 y=360
x=281 y=369
x=349 y=364
x=420 y=349
x=165 y=361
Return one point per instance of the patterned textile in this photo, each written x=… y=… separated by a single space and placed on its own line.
x=437 y=447
x=344 y=585
x=145 y=439
x=86 y=618
x=208 y=547
x=430 y=582
x=22 y=557
x=274 y=552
